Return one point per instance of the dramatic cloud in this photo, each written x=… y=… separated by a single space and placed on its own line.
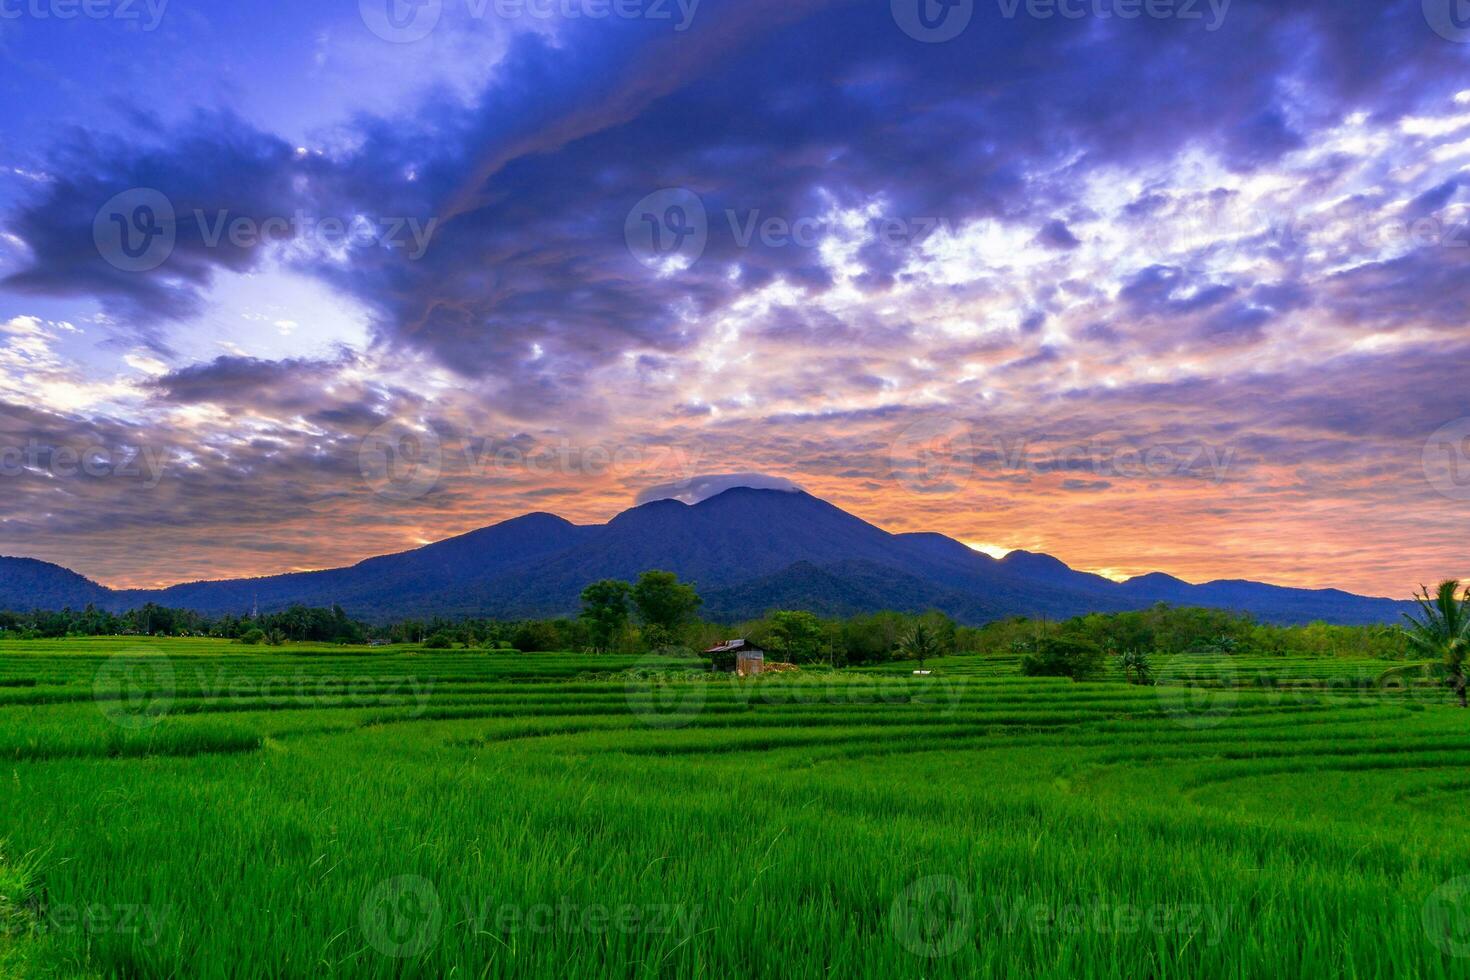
x=1144 y=293
x=699 y=488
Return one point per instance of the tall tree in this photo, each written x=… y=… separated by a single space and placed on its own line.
x=1442 y=631
x=605 y=610
x=797 y=635
x=663 y=601
x=921 y=643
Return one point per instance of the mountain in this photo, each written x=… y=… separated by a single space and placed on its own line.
x=418 y=580
x=748 y=550
x=26 y=583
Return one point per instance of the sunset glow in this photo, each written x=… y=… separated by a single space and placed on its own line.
x=1142 y=295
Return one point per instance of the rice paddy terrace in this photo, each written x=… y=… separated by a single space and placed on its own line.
x=192 y=808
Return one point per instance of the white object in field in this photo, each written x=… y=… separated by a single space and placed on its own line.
x=922 y=673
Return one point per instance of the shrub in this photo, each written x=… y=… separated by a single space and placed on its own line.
x=253 y=637
x=536 y=637
x=439 y=641
x=655 y=638
x=1054 y=657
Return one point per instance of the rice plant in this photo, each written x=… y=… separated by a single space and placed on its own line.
x=194 y=809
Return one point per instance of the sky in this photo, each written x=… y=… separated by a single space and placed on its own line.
x=1174 y=285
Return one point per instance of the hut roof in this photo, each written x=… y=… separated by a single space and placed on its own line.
x=734 y=646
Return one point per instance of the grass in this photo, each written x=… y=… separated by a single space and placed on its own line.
x=193 y=808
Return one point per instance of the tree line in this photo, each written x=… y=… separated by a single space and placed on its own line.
x=658 y=612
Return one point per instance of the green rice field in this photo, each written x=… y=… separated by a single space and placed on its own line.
x=199 y=809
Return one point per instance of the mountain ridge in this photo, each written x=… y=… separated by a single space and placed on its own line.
x=748 y=550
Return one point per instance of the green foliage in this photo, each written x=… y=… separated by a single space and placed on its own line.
x=19 y=887
x=867 y=639
x=797 y=637
x=663 y=601
x=1058 y=657
x=873 y=637
x=297 y=623
x=654 y=637
x=923 y=642
x=439 y=641
x=1171 y=630
x=534 y=636
x=1136 y=667
x=1403 y=675
x=972 y=824
x=1442 y=631
x=253 y=637
x=946 y=632
x=605 y=610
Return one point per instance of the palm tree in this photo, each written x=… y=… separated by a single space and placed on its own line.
x=1443 y=631
x=920 y=643
x=1136 y=666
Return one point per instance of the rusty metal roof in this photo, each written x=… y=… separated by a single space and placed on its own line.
x=731 y=646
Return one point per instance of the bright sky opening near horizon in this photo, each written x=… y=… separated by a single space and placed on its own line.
x=1177 y=285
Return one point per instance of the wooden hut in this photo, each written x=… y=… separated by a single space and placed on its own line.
x=740 y=656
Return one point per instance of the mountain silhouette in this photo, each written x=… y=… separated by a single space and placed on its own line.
x=747 y=550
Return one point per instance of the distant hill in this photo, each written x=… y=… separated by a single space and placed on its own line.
x=748 y=550
x=26 y=584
